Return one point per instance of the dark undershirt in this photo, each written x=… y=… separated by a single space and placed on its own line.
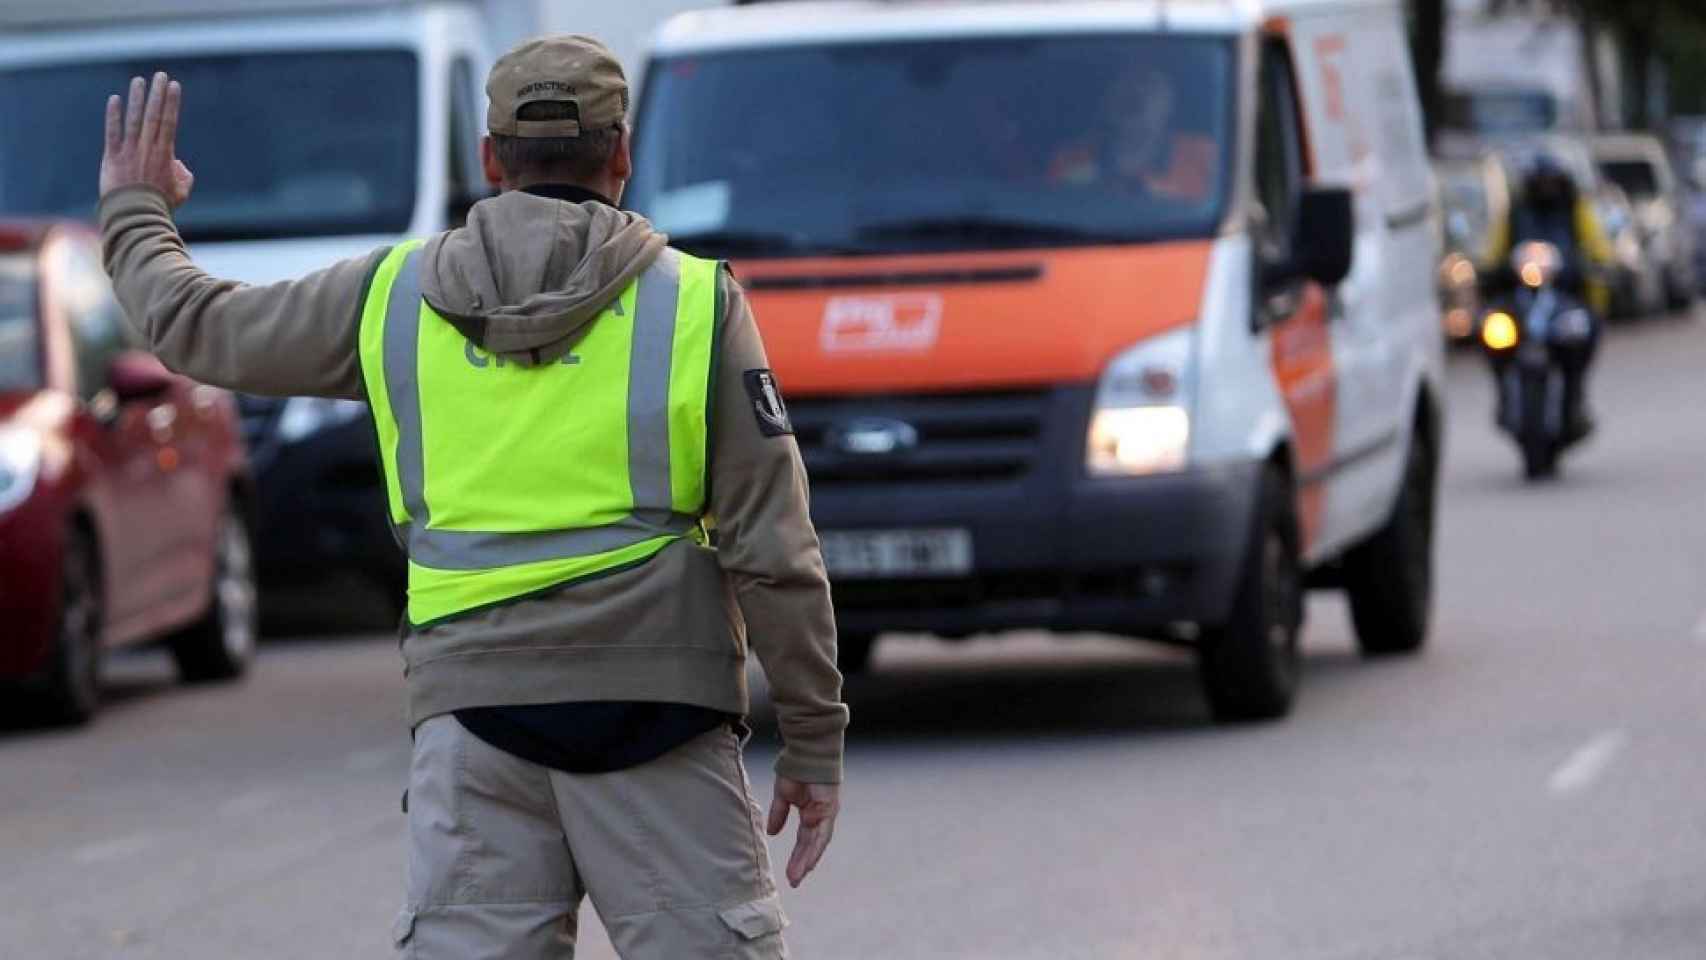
x=588 y=737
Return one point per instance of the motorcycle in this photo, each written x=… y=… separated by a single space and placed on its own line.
x=1530 y=342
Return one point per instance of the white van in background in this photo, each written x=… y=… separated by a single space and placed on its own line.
x=317 y=130
x=1091 y=316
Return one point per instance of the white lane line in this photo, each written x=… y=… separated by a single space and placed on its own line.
x=1700 y=629
x=1587 y=764
x=115 y=849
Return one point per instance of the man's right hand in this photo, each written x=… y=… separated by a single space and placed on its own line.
x=141 y=147
x=819 y=803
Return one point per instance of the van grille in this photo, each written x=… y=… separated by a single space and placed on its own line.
x=961 y=438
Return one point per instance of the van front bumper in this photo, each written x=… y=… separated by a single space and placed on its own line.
x=1135 y=556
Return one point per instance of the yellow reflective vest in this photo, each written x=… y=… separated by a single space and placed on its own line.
x=505 y=480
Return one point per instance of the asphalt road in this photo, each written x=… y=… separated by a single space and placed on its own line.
x=1531 y=787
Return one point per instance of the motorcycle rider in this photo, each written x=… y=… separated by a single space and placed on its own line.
x=1551 y=208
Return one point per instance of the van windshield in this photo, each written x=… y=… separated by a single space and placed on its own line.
x=936 y=145
x=20 y=358
x=282 y=144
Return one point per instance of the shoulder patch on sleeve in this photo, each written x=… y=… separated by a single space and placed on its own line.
x=767 y=406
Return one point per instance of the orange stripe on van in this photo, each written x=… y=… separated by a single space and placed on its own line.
x=1302 y=359
x=942 y=322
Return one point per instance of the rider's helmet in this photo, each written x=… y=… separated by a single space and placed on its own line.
x=1548 y=182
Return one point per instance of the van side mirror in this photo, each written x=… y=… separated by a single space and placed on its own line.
x=134 y=375
x=1323 y=239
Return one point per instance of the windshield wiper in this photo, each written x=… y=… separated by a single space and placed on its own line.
x=975 y=227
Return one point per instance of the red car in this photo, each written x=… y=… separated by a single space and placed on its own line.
x=121 y=488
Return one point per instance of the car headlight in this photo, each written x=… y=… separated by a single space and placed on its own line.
x=305 y=416
x=20 y=464
x=1142 y=423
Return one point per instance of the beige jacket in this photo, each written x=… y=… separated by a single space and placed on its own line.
x=531 y=272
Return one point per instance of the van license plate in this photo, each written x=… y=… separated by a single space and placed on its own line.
x=871 y=554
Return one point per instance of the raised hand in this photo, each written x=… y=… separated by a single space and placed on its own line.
x=142 y=141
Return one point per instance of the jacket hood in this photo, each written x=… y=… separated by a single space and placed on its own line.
x=527 y=274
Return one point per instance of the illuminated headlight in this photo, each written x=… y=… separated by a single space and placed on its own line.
x=1142 y=422
x=1138 y=441
x=1499 y=331
x=305 y=416
x=20 y=464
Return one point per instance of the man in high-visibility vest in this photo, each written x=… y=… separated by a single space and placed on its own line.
x=591 y=469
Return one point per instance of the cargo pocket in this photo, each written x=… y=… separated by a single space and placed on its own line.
x=403 y=928
x=758 y=924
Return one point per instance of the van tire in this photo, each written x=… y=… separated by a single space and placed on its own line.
x=853 y=652
x=221 y=645
x=1389 y=576
x=1249 y=665
x=73 y=687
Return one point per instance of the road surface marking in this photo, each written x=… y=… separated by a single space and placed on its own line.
x=1583 y=767
x=115 y=849
x=1700 y=629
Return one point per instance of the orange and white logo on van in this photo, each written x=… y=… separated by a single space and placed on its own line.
x=890 y=323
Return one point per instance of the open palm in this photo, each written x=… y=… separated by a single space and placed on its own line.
x=141 y=148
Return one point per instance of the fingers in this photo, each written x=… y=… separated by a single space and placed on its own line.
x=115 y=125
x=779 y=804
x=183 y=181
x=809 y=847
x=151 y=112
x=133 y=112
x=169 y=116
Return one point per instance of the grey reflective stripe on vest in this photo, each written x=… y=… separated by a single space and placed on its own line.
x=402 y=382
x=648 y=437
x=648 y=386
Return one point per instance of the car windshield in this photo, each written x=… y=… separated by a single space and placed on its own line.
x=20 y=357
x=913 y=146
x=282 y=144
x=1637 y=177
x=1501 y=113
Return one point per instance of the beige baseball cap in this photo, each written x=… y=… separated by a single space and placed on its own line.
x=574 y=70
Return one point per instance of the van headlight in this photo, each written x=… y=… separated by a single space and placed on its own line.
x=305 y=416
x=20 y=464
x=1142 y=423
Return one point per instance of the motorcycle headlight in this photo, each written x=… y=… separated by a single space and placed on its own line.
x=305 y=416
x=20 y=464
x=1499 y=331
x=1142 y=423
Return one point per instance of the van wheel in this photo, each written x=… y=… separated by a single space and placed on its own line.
x=74 y=679
x=1389 y=576
x=221 y=645
x=1249 y=665
x=853 y=652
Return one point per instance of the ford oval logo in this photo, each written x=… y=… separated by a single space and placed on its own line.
x=873 y=437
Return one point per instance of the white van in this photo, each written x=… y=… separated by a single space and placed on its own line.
x=315 y=133
x=317 y=130
x=1091 y=316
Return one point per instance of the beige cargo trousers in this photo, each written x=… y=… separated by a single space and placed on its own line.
x=501 y=852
